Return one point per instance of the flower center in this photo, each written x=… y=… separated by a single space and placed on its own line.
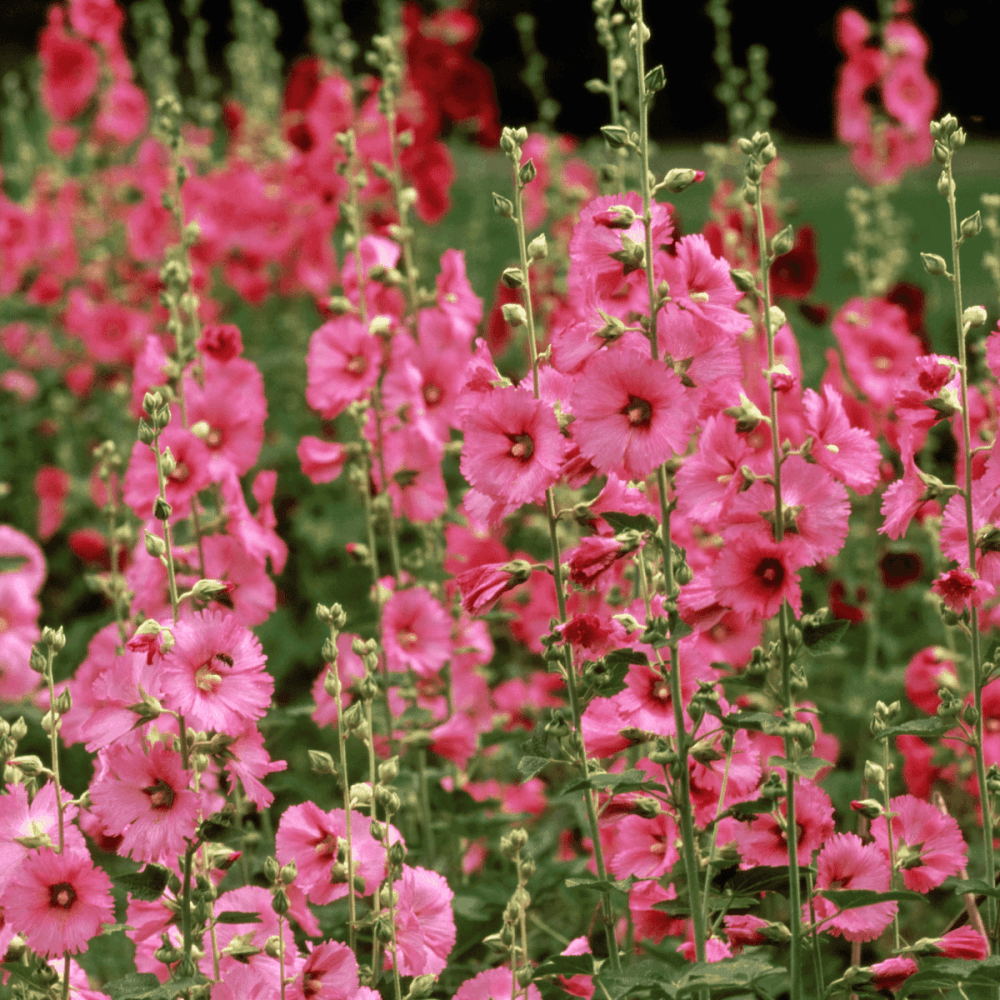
x=161 y=795
x=407 y=638
x=180 y=474
x=638 y=411
x=661 y=690
x=62 y=894
x=213 y=438
x=327 y=847
x=770 y=572
x=4 y=624
x=521 y=446
x=205 y=679
x=432 y=394
x=882 y=364
x=357 y=365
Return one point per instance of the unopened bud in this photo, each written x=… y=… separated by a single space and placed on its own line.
x=934 y=265
x=974 y=316
x=538 y=248
x=321 y=762
x=514 y=314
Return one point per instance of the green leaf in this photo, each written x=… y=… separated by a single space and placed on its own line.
x=728 y=977
x=747 y=810
x=600 y=885
x=821 y=637
x=630 y=522
x=627 y=656
x=925 y=728
x=616 y=136
x=536 y=745
x=238 y=917
x=975 y=885
x=147 y=885
x=528 y=767
x=753 y=881
x=648 y=975
x=628 y=781
x=851 y=899
x=656 y=79
x=758 y=722
x=566 y=965
x=23 y=975
x=806 y=767
x=12 y=564
x=145 y=986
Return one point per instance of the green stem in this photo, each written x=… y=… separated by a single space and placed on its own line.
x=65 y=976
x=54 y=745
x=892 y=844
x=715 y=832
x=342 y=745
x=186 y=904
x=425 y=805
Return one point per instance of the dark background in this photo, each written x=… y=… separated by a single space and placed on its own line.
x=800 y=36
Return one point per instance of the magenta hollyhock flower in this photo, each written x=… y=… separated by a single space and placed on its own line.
x=715 y=950
x=19 y=611
x=631 y=412
x=592 y=557
x=58 y=901
x=70 y=71
x=513 y=449
x=312 y=838
x=744 y=930
x=147 y=799
x=343 y=363
x=251 y=763
x=959 y=589
x=848 y=453
x=330 y=973
x=215 y=673
x=322 y=461
x=416 y=632
x=456 y=739
x=191 y=473
x=928 y=843
x=929 y=671
x=764 y=842
x=245 y=983
x=581 y=985
x=482 y=585
x=493 y=984
x=51 y=487
x=846 y=863
x=754 y=573
x=601 y=724
x=124 y=113
x=412 y=457
x=963 y=942
x=642 y=847
x=903 y=499
x=23 y=557
x=893 y=972
x=221 y=341
x=591 y=635
x=425 y=925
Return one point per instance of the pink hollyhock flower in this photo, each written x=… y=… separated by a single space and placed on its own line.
x=455 y=295
x=191 y=474
x=215 y=673
x=744 y=930
x=963 y=942
x=848 y=453
x=124 y=113
x=19 y=612
x=754 y=573
x=58 y=901
x=251 y=763
x=343 y=363
x=493 y=984
x=70 y=71
x=221 y=341
x=601 y=724
x=893 y=972
x=312 y=838
x=19 y=819
x=330 y=973
x=631 y=412
x=845 y=863
x=456 y=739
x=482 y=585
x=652 y=924
x=929 y=671
x=412 y=457
x=425 y=925
x=416 y=632
x=51 y=488
x=245 y=983
x=715 y=950
x=592 y=636
x=928 y=843
x=581 y=985
x=904 y=498
x=147 y=799
x=593 y=557
x=24 y=558
x=744 y=773
x=98 y=20
x=764 y=842
x=643 y=847
x=513 y=449
x=322 y=461
x=959 y=589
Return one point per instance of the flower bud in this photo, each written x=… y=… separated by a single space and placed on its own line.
x=514 y=314
x=972 y=226
x=527 y=173
x=388 y=771
x=782 y=242
x=777 y=318
x=538 y=248
x=974 y=316
x=321 y=762
x=513 y=278
x=504 y=207
x=934 y=265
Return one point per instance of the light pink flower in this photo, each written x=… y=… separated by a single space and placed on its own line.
x=928 y=843
x=963 y=942
x=643 y=847
x=215 y=673
x=848 y=453
x=493 y=984
x=322 y=461
x=416 y=632
x=58 y=901
x=330 y=973
x=764 y=842
x=631 y=412
x=929 y=671
x=425 y=925
x=343 y=363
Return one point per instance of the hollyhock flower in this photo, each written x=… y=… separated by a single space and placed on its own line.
x=591 y=635
x=482 y=585
x=643 y=847
x=740 y=769
x=70 y=71
x=425 y=925
x=330 y=973
x=904 y=498
x=412 y=458
x=245 y=983
x=754 y=573
x=58 y=901
x=594 y=556
x=215 y=673
x=322 y=461
x=343 y=364
x=793 y=274
x=416 y=632
x=513 y=449
x=51 y=488
x=631 y=412
x=40 y=817
x=191 y=474
x=456 y=739
x=848 y=453
x=764 y=842
x=963 y=942
x=455 y=295
x=19 y=612
x=845 y=863
x=650 y=923
x=929 y=671
x=124 y=113
x=893 y=972
x=928 y=843
x=493 y=984
x=251 y=763
x=221 y=341
x=744 y=930
x=146 y=797
x=959 y=589
x=312 y=839
x=20 y=556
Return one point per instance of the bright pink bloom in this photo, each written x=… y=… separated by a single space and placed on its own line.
x=959 y=589
x=191 y=473
x=929 y=671
x=343 y=363
x=330 y=973
x=482 y=585
x=848 y=453
x=70 y=72
x=754 y=573
x=215 y=673
x=491 y=985
x=928 y=843
x=513 y=449
x=715 y=950
x=592 y=557
x=146 y=797
x=19 y=612
x=845 y=863
x=124 y=113
x=631 y=412
x=893 y=972
x=904 y=498
x=764 y=842
x=221 y=341
x=51 y=488
x=58 y=901
x=963 y=942
x=581 y=985
x=251 y=763
x=425 y=925
x=23 y=557
x=322 y=461
x=643 y=847
x=416 y=632
x=744 y=930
